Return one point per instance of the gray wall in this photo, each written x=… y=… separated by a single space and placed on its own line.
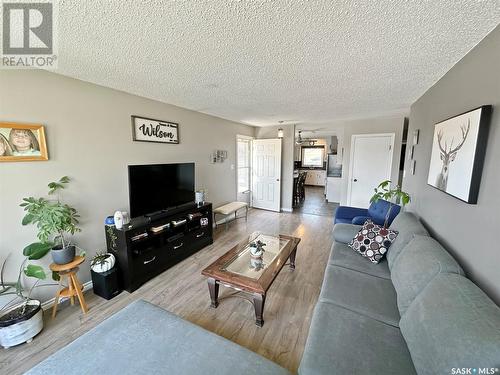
x=88 y=129
x=287 y=149
x=468 y=231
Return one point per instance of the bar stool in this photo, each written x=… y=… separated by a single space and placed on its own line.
x=74 y=287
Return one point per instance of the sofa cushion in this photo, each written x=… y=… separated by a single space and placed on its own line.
x=145 y=339
x=407 y=225
x=378 y=211
x=343 y=256
x=452 y=324
x=372 y=241
x=345 y=232
x=419 y=262
x=341 y=341
x=365 y=294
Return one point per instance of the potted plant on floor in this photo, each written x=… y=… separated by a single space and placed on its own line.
x=385 y=191
x=21 y=318
x=55 y=220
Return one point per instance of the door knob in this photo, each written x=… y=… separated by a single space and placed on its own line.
x=355 y=180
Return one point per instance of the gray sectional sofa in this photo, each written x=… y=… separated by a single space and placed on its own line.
x=415 y=312
x=412 y=313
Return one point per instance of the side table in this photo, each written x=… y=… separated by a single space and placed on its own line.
x=74 y=287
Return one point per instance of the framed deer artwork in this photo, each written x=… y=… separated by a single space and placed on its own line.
x=458 y=150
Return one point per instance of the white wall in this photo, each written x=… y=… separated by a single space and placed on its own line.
x=88 y=128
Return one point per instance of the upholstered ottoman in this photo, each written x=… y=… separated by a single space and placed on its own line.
x=145 y=339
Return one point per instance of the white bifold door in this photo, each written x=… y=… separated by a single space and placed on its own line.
x=266 y=174
x=371 y=163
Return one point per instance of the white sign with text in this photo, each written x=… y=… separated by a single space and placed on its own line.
x=150 y=130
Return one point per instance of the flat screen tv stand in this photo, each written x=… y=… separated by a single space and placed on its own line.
x=149 y=245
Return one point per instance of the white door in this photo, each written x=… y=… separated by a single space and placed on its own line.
x=266 y=174
x=371 y=163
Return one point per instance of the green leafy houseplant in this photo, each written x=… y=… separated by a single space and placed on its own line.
x=54 y=219
x=385 y=191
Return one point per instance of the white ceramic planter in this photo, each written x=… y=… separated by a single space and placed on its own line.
x=109 y=263
x=23 y=330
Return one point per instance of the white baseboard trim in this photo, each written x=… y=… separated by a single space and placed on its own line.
x=48 y=304
x=283 y=209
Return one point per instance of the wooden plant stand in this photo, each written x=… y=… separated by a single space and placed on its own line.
x=74 y=287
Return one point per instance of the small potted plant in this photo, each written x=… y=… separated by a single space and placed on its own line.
x=386 y=192
x=257 y=249
x=55 y=220
x=102 y=262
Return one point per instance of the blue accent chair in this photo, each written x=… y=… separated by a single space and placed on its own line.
x=376 y=212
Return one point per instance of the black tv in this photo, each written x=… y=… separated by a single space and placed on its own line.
x=157 y=187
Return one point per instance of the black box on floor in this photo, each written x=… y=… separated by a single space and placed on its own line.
x=106 y=284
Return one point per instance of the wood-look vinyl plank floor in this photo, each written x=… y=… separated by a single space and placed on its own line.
x=183 y=290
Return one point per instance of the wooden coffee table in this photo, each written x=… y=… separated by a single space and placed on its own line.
x=238 y=270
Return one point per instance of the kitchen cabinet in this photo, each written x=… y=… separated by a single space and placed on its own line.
x=333 y=187
x=315 y=177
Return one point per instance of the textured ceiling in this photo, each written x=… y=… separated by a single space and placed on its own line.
x=259 y=62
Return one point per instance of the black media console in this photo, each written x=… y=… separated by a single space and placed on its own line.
x=149 y=245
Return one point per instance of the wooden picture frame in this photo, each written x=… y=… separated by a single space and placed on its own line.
x=151 y=130
x=458 y=152
x=22 y=142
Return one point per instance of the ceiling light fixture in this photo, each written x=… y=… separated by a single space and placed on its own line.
x=280 y=130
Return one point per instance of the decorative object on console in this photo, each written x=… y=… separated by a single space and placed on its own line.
x=384 y=191
x=121 y=218
x=373 y=241
x=218 y=156
x=53 y=219
x=110 y=220
x=22 y=142
x=458 y=151
x=151 y=130
x=199 y=196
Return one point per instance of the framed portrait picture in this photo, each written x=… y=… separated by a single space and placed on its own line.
x=458 y=150
x=22 y=142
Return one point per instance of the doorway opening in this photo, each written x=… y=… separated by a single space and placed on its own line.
x=310 y=182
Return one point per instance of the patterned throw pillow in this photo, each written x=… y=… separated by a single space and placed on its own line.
x=373 y=241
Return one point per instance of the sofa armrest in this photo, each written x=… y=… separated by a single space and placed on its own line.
x=346 y=212
x=344 y=233
x=360 y=220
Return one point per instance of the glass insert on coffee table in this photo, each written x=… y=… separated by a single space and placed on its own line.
x=251 y=266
